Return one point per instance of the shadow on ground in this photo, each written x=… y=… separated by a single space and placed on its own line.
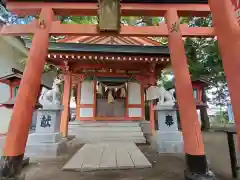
x=165 y=167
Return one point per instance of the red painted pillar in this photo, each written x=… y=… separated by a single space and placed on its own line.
x=227 y=30
x=78 y=100
x=27 y=96
x=151 y=105
x=66 y=103
x=193 y=143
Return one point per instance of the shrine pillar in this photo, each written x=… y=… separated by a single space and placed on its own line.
x=227 y=30
x=193 y=142
x=66 y=103
x=78 y=101
x=27 y=97
x=152 y=82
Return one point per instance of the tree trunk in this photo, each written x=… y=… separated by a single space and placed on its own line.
x=203 y=112
x=205 y=119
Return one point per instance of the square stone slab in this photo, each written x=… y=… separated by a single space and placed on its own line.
x=105 y=156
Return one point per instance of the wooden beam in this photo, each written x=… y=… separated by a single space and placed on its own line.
x=107 y=74
x=64 y=9
x=122 y=66
x=136 y=31
x=196 y=31
x=138 y=9
x=90 y=9
x=91 y=30
x=17 y=30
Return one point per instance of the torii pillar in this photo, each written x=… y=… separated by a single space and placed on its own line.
x=196 y=161
x=152 y=82
x=78 y=100
x=26 y=99
x=66 y=103
x=227 y=30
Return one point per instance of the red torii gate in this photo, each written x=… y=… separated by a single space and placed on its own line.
x=226 y=29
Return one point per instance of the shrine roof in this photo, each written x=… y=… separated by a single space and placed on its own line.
x=16 y=75
x=113 y=40
x=123 y=1
x=10 y=103
x=11 y=77
x=201 y=81
x=105 y=48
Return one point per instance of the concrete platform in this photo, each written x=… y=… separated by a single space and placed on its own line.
x=106 y=156
x=105 y=124
x=46 y=150
x=97 y=132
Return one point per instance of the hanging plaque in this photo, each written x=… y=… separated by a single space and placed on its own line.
x=109 y=15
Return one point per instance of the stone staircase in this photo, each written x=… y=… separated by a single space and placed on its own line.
x=105 y=131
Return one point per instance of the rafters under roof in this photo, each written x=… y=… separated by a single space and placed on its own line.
x=113 y=40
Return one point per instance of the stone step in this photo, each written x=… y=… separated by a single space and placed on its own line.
x=104 y=124
x=105 y=129
x=138 y=140
x=91 y=132
x=103 y=134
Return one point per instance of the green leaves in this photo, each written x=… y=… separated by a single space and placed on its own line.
x=79 y=20
x=204 y=61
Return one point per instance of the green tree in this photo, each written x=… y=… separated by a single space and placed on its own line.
x=205 y=62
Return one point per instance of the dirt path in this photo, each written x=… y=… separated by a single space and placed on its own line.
x=165 y=167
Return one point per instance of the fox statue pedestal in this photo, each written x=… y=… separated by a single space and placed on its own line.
x=47 y=140
x=168 y=139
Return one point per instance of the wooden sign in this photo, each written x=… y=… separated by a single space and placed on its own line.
x=109 y=15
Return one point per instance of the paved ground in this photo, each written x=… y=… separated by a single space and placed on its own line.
x=102 y=156
x=165 y=167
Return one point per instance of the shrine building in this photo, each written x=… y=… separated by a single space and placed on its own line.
x=110 y=74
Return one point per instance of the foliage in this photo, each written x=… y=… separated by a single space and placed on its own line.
x=78 y=19
x=205 y=62
x=221 y=117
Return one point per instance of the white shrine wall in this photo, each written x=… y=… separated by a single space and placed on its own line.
x=9 y=57
x=135 y=107
x=87 y=101
x=4 y=112
x=134 y=102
